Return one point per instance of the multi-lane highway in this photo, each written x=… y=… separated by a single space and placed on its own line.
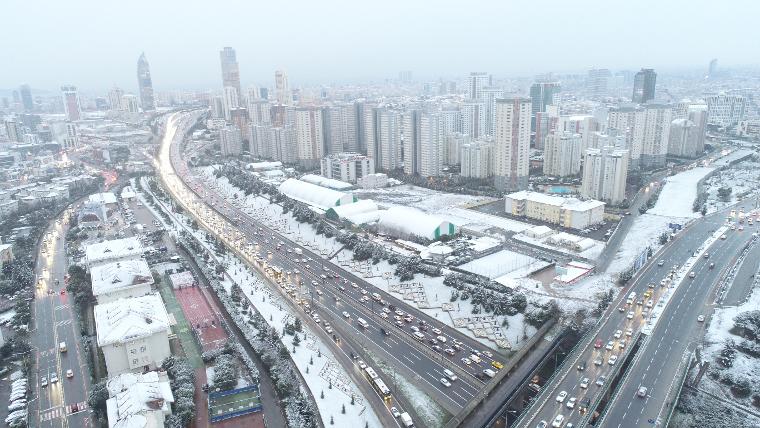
x=62 y=403
x=587 y=376
x=395 y=345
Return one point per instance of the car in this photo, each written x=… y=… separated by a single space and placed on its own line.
x=610 y=345
x=650 y=304
x=557 y=423
x=386 y=310
x=54 y=378
x=598 y=343
x=449 y=351
x=415 y=329
x=630 y=315
x=617 y=334
x=497 y=365
x=661 y=263
x=384 y=315
x=445 y=382
x=346 y=314
x=400 y=324
x=395 y=412
x=466 y=361
x=598 y=361
x=621 y=308
x=621 y=344
x=571 y=402
x=561 y=396
x=437 y=332
x=701 y=318
x=441 y=339
x=581 y=366
x=629 y=332
x=69 y=373
x=542 y=424
x=43 y=381
x=612 y=360
x=584 y=382
x=600 y=381
x=692 y=275
x=362 y=365
x=642 y=392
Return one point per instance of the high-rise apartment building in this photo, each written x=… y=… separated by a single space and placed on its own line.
x=453 y=147
x=129 y=103
x=476 y=81
x=653 y=133
x=260 y=142
x=598 y=82
x=259 y=111
x=348 y=166
x=477 y=159
x=389 y=138
x=473 y=118
x=712 y=68
x=26 y=97
x=14 y=130
x=231 y=101
x=145 y=84
x=643 y=85
x=230 y=141
x=562 y=154
x=340 y=128
x=283 y=144
x=282 y=87
x=512 y=146
x=687 y=134
x=725 y=110
x=230 y=69
x=310 y=135
x=543 y=92
x=410 y=123
x=71 y=105
x=605 y=172
x=431 y=143
x=71 y=139
x=489 y=95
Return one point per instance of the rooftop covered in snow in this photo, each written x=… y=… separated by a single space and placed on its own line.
x=125 y=320
x=316 y=196
x=404 y=221
x=115 y=249
x=116 y=276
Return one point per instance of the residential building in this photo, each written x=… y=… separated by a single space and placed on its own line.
x=283 y=144
x=141 y=400
x=566 y=212
x=339 y=127
x=129 y=103
x=14 y=130
x=373 y=181
x=230 y=70
x=114 y=99
x=543 y=93
x=282 y=87
x=259 y=111
x=725 y=110
x=431 y=144
x=477 y=159
x=605 y=172
x=489 y=95
x=583 y=125
x=653 y=133
x=453 y=147
x=231 y=101
x=310 y=135
x=643 y=85
x=230 y=141
x=388 y=139
x=349 y=167
x=597 y=82
x=512 y=143
x=113 y=251
x=476 y=81
x=145 y=84
x=133 y=333
x=562 y=154
x=26 y=97
x=71 y=105
x=121 y=280
x=473 y=118
x=410 y=120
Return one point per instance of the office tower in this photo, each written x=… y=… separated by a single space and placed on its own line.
x=114 y=99
x=712 y=69
x=259 y=111
x=605 y=172
x=598 y=82
x=348 y=166
x=476 y=159
x=453 y=147
x=388 y=139
x=14 y=130
x=26 y=97
x=489 y=95
x=543 y=92
x=512 y=146
x=231 y=142
x=217 y=107
x=310 y=136
x=145 y=84
x=476 y=81
x=71 y=105
x=231 y=101
x=230 y=69
x=129 y=103
x=562 y=154
x=405 y=76
x=643 y=85
x=283 y=144
x=473 y=118
x=687 y=135
x=281 y=87
x=725 y=110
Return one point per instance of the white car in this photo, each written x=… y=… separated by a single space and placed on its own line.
x=630 y=315
x=701 y=318
x=436 y=331
x=629 y=332
x=466 y=361
x=610 y=345
x=617 y=334
x=346 y=314
x=43 y=381
x=561 y=397
x=584 y=382
x=445 y=382
x=571 y=402
x=557 y=423
x=69 y=373
x=54 y=378
x=621 y=344
x=395 y=412
x=642 y=392
x=612 y=360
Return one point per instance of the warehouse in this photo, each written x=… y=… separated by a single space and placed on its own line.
x=315 y=196
x=402 y=222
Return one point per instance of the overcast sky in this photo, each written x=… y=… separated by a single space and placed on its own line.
x=95 y=44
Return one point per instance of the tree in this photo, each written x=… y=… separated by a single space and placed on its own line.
x=724 y=193
x=322 y=394
x=98 y=396
x=225 y=372
x=353 y=400
x=343 y=409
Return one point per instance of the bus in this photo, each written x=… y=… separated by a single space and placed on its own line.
x=381 y=388
x=370 y=373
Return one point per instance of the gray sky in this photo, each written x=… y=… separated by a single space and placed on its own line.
x=94 y=46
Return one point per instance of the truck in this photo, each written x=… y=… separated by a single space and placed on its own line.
x=406 y=420
x=299 y=251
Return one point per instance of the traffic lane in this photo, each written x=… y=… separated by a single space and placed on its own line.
x=744 y=281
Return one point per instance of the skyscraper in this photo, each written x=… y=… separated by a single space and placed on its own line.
x=543 y=92
x=26 y=97
x=512 y=147
x=71 y=105
x=605 y=172
x=712 y=68
x=145 y=84
x=597 y=82
x=310 y=136
x=230 y=69
x=476 y=81
x=643 y=85
x=281 y=87
x=114 y=98
x=562 y=154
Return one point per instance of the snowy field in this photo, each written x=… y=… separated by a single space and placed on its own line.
x=645 y=232
x=430 y=201
x=677 y=197
x=499 y=264
x=743 y=178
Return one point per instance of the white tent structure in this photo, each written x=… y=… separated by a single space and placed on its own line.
x=401 y=222
x=315 y=196
x=364 y=211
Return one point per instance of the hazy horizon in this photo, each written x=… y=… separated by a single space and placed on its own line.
x=81 y=43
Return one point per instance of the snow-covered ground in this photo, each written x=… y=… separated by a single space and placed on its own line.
x=430 y=201
x=677 y=197
x=645 y=232
x=499 y=264
x=743 y=178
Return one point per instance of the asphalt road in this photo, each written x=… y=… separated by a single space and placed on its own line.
x=745 y=279
x=546 y=407
x=53 y=322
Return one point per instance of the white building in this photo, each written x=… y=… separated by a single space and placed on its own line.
x=477 y=159
x=725 y=110
x=512 y=146
x=605 y=172
x=654 y=132
x=121 y=280
x=430 y=145
x=373 y=181
x=113 y=251
x=133 y=333
x=230 y=140
x=476 y=81
x=314 y=195
x=231 y=101
x=349 y=167
x=403 y=222
x=310 y=136
x=473 y=117
x=489 y=95
x=687 y=134
x=453 y=147
x=129 y=103
x=389 y=139
x=566 y=212
x=340 y=128
x=139 y=400
x=562 y=154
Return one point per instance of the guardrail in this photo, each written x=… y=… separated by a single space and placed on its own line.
x=684 y=374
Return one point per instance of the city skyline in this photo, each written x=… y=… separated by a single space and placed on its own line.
x=187 y=59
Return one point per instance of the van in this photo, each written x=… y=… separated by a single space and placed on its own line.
x=449 y=374
x=62 y=347
x=490 y=373
x=419 y=336
x=362 y=323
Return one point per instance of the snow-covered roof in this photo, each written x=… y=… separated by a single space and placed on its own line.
x=105 y=198
x=357 y=213
x=573 y=204
x=330 y=183
x=127 y=319
x=112 y=277
x=138 y=400
x=116 y=249
x=318 y=196
x=263 y=166
x=404 y=221
x=182 y=279
x=127 y=193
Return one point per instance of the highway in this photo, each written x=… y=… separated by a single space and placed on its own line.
x=62 y=403
x=622 y=322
